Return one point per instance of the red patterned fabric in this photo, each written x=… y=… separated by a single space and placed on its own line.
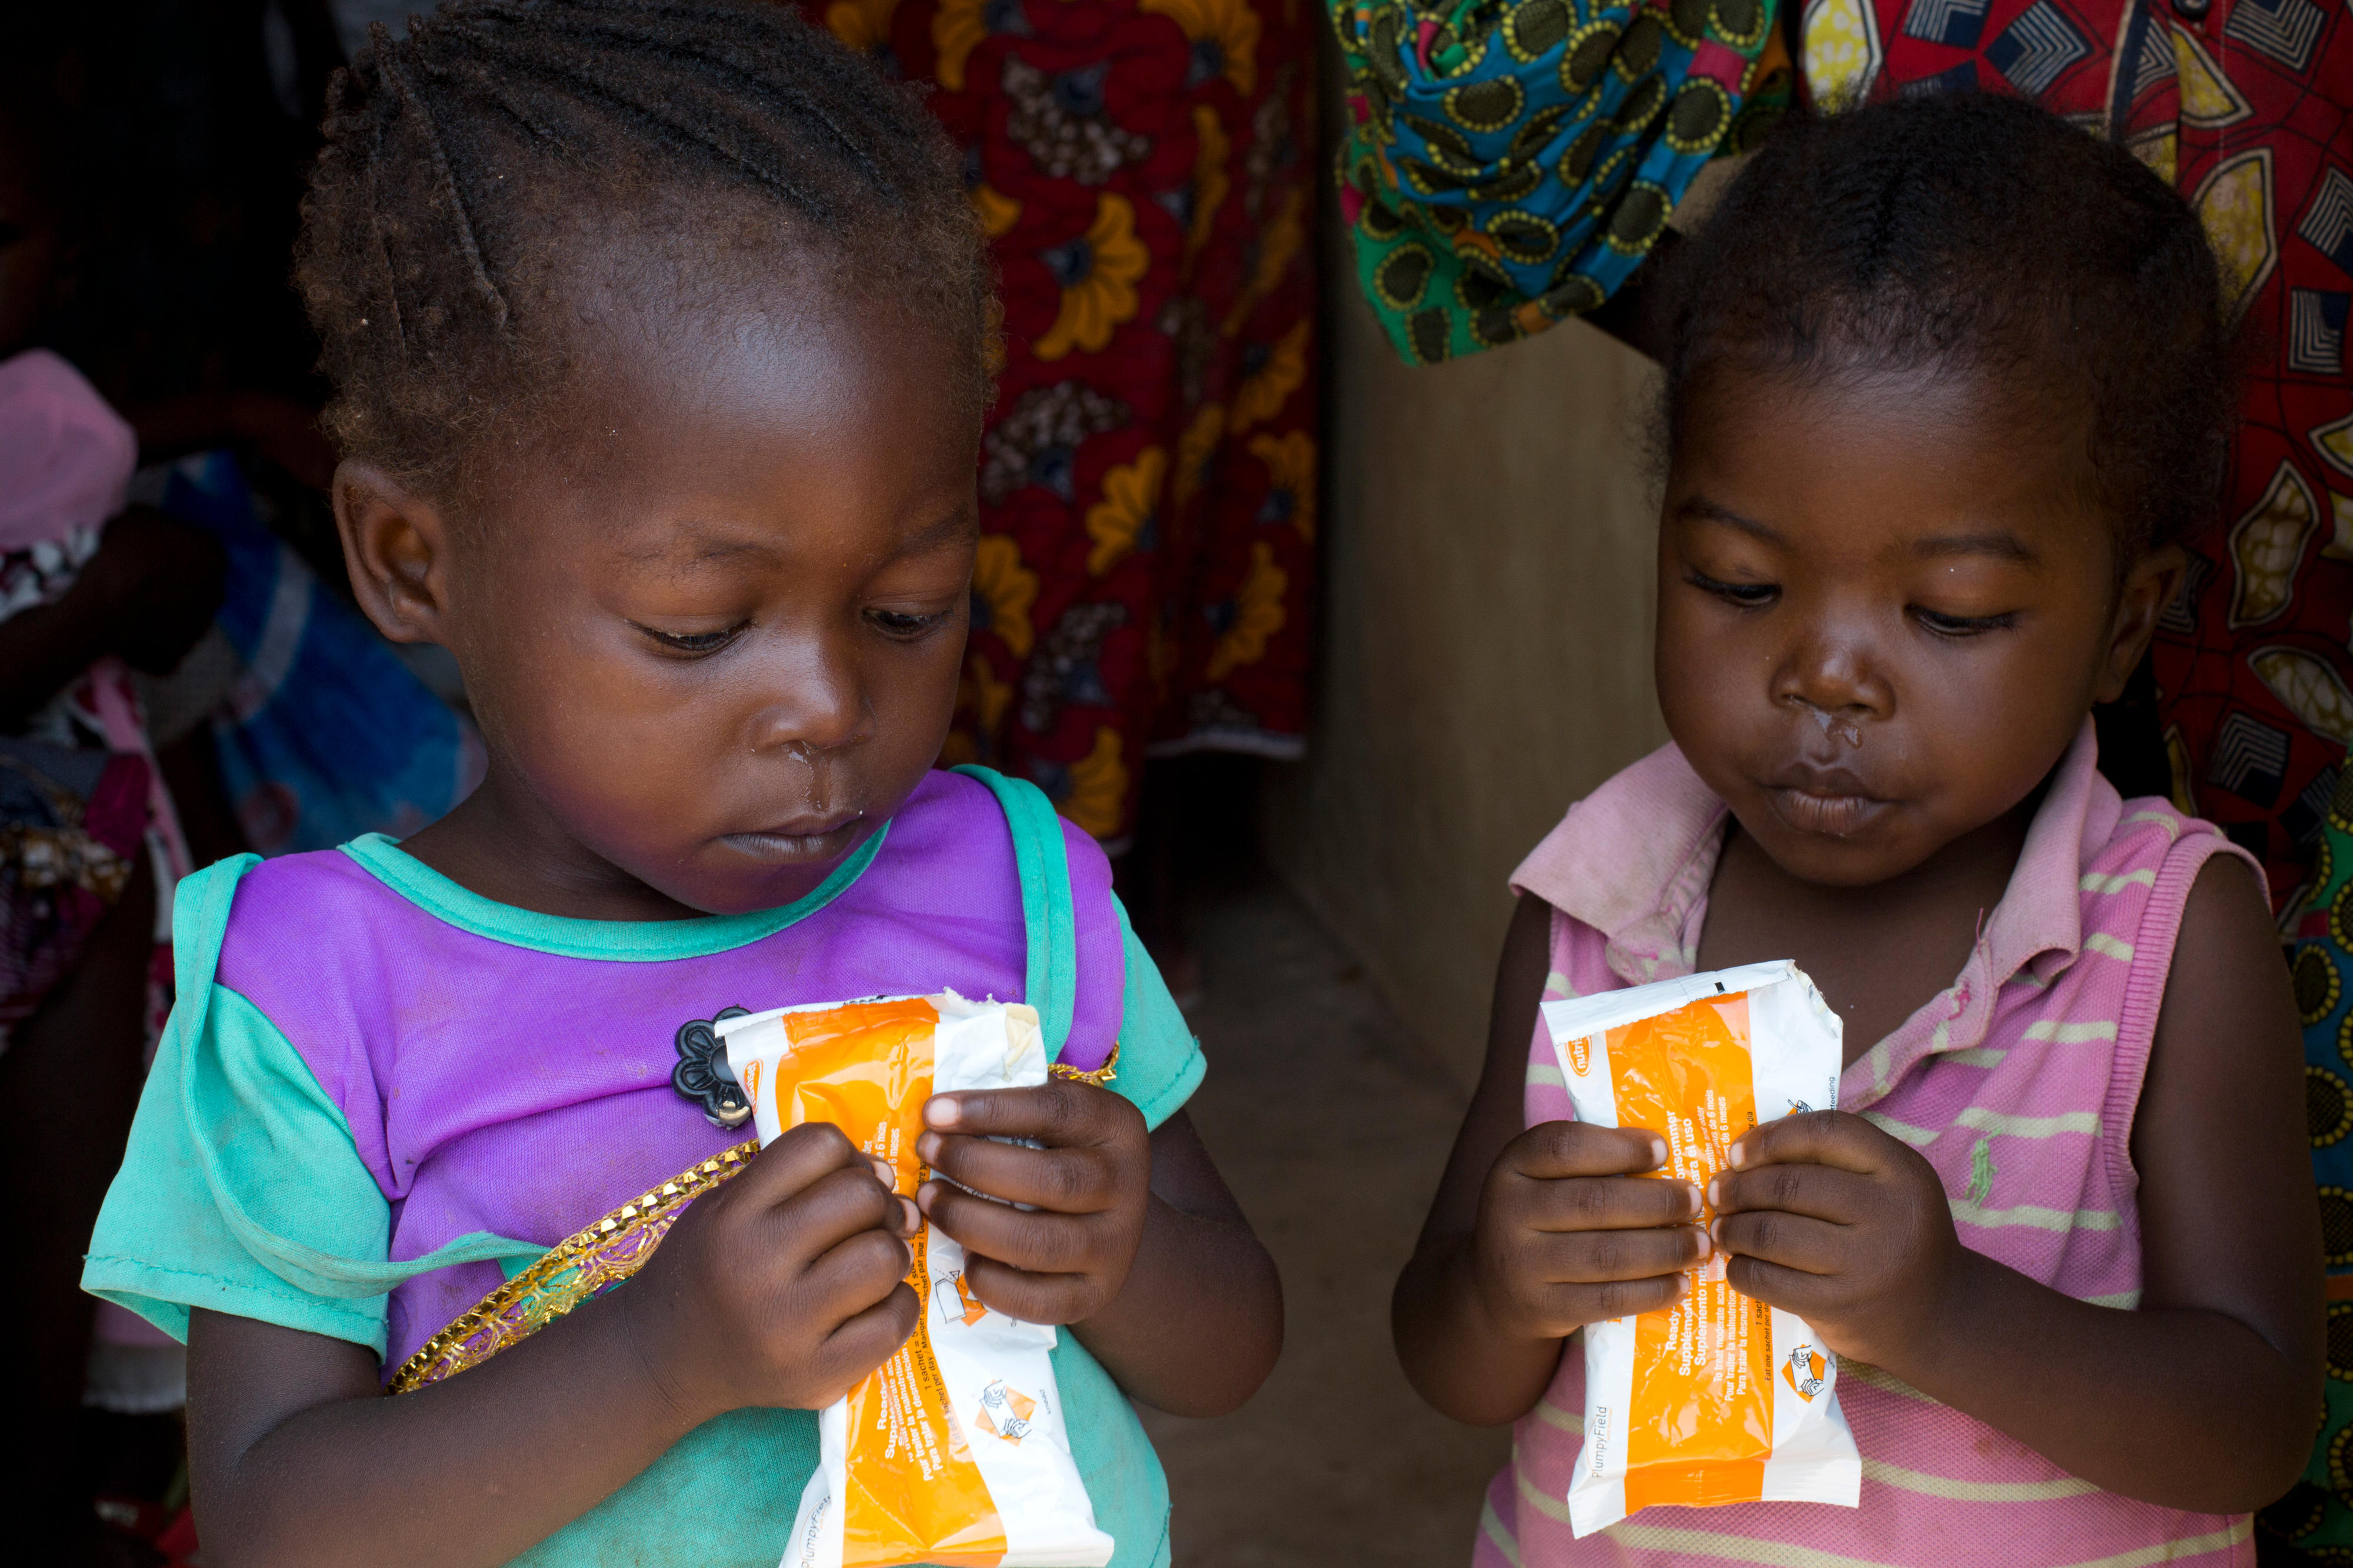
x=2243 y=104
x=1147 y=478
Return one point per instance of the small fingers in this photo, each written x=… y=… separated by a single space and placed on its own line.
x=1028 y=1297
x=1035 y=1240
x=854 y=1274
x=1552 y=1149
x=1818 y=1191
x=1795 y=1290
x=865 y=1340
x=802 y=1156
x=1064 y=1180
x=838 y=1205
x=1570 y=1305
x=1059 y=1113
x=1793 y=1241
x=1834 y=1138
x=1606 y=1257
x=1605 y=1202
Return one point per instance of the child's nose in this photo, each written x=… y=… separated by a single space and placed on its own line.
x=1837 y=680
x=816 y=699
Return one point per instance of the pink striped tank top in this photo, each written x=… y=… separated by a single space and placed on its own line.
x=2017 y=1082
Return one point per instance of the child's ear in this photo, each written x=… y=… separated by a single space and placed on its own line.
x=397 y=545
x=2147 y=588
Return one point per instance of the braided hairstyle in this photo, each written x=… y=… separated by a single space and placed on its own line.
x=470 y=166
x=1980 y=232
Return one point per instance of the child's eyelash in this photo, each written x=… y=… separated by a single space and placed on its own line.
x=1748 y=595
x=694 y=642
x=899 y=625
x=1964 y=625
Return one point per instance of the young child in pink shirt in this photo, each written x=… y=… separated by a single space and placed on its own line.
x=1946 y=381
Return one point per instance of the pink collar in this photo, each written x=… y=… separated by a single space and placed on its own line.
x=1634 y=861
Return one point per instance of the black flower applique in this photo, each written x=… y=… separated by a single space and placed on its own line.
x=702 y=1074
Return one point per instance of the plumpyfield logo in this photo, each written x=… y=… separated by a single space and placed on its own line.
x=1806 y=1370
x=1580 y=1055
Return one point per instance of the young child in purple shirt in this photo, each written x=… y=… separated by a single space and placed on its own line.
x=661 y=338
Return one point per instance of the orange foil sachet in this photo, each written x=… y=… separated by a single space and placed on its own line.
x=952 y=1452
x=1719 y=1398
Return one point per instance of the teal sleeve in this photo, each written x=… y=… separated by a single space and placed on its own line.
x=241 y=1191
x=162 y=1243
x=1160 y=1062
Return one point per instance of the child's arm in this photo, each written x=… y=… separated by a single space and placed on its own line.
x=783 y=1288
x=148 y=594
x=1535 y=1232
x=1132 y=1239
x=2203 y=1399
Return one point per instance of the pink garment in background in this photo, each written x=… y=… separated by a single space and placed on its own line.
x=65 y=456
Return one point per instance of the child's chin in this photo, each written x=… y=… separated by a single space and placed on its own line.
x=1872 y=854
x=724 y=881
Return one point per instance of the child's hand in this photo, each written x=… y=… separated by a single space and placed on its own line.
x=1064 y=1258
x=160 y=582
x=1826 y=1216
x=782 y=1289
x=1569 y=1234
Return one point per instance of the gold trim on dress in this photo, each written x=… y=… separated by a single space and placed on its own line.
x=582 y=1266
x=587 y=1263
x=1098 y=1075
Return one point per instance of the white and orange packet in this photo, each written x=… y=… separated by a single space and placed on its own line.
x=1720 y=1398
x=954 y=1451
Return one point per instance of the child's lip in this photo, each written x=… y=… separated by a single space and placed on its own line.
x=806 y=839
x=1830 y=814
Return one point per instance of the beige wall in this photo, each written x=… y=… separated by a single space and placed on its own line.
x=1486 y=645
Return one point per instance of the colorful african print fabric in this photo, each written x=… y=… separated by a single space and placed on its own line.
x=1148 y=481
x=2316 y=1515
x=1510 y=165
x=2241 y=104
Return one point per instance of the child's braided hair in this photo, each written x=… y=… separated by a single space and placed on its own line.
x=467 y=165
x=1979 y=231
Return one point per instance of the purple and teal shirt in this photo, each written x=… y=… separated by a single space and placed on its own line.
x=381 y=1094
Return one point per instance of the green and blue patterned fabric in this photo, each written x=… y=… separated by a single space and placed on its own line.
x=1509 y=165
x=2316 y=1517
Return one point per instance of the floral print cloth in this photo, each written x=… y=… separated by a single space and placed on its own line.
x=2317 y=1515
x=71 y=826
x=1147 y=482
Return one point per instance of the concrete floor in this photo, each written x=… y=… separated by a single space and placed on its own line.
x=1331 y=1127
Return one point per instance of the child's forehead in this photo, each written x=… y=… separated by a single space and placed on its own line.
x=704 y=365
x=635 y=316
x=710 y=540
x=1921 y=461
x=695 y=442
x=1940 y=415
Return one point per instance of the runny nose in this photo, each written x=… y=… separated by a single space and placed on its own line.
x=1839 y=725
